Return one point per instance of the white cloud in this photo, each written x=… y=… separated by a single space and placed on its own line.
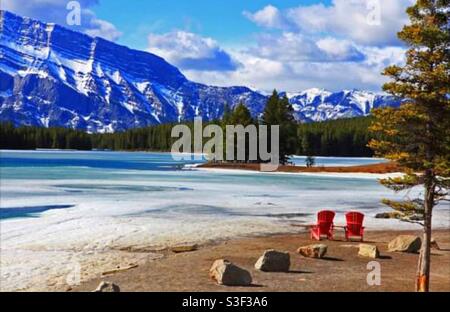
x=55 y=11
x=104 y=29
x=287 y=61
x=290 y=47
x=269 y=16
x=292 y=75
x=372 y=22
x=340 y=50
x=191 y=52
x=255 y=72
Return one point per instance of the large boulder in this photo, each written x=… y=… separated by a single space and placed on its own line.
x=107 y=287
x=369 y=251
x=226 y=273
x=274 y=261
x=313 y=251
x=405 y=243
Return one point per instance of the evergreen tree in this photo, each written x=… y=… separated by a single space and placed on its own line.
x=227 y=112
x=240 y=116
x=417 y=135
x=279 y=111
x=345 y=137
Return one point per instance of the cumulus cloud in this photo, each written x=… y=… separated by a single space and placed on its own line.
x=55 y=11
x=190 y=51
x=295 y=47
x=290 y=75
x=269 y=16
x=286 y=61
x=371 y=22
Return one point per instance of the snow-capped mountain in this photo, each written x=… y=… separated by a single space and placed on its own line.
x=52 y=76
x=319 y=105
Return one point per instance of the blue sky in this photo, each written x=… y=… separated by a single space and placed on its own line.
x=218 y=19
x=291 y=45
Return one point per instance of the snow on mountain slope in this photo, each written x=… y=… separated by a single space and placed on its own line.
x=319 y=105
x=52 y=76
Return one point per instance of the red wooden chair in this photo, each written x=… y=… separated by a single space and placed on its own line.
x=324 y=226
x=354 y=226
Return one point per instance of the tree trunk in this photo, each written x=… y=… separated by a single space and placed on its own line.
x=423 y=270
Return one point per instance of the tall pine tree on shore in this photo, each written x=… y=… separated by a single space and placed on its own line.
x=280 y=112
x=240 y=116
x=417 y=135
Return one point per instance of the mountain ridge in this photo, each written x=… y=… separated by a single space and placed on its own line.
x=53 y=76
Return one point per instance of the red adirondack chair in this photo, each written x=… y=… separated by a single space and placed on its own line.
x=354 y=226
x=324 y=226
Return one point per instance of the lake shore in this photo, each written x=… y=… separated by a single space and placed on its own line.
x=381 y=168
x=341 y=270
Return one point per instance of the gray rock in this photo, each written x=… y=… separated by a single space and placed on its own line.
x=274 y=261
x=107 y=287
x=405 y=243
x=226 y=273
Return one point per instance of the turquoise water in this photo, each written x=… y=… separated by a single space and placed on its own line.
x=34 y=182
x=71 y=165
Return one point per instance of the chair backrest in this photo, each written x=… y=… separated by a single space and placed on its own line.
x=325 y=216
x=325 y=221
x=354 y=222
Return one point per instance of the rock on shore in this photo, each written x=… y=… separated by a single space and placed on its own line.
x=405 y=243
x=226 y=273
x=274 y=261
x=313 y=251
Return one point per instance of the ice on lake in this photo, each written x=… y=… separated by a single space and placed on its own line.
x=92 y=211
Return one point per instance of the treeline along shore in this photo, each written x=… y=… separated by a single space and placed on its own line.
x=344 y=137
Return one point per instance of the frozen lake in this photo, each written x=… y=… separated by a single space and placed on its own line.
x=85 y=211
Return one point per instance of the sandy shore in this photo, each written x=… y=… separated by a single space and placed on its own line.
x=341 y=270
x=382 y=168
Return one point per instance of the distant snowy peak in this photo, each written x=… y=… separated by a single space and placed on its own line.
x=52 y=76
x=319 y=104
x=308 y=97
x=310 y=94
